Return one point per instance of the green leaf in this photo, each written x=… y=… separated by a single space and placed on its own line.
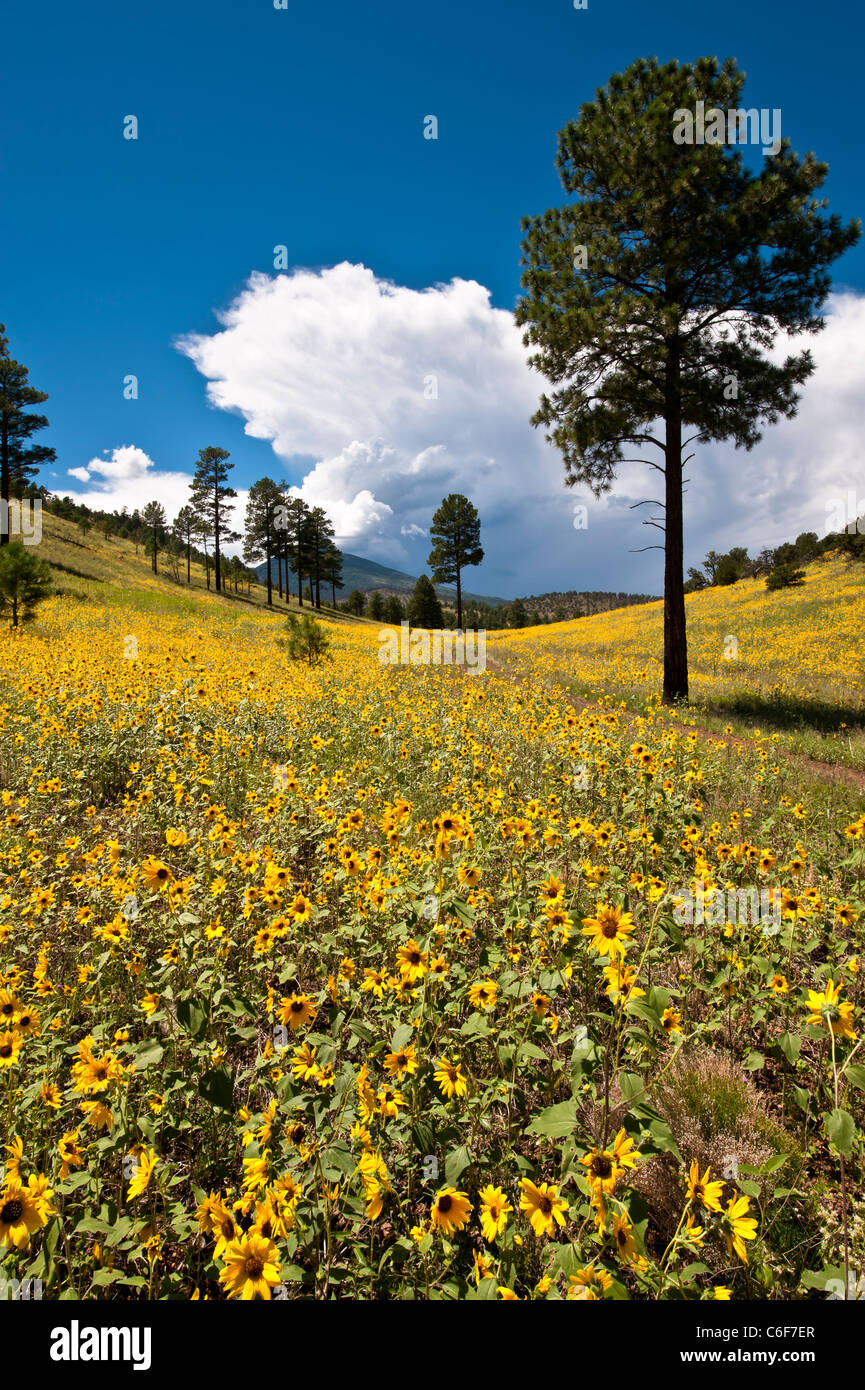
x=238 y=1004
x=361 y=1030
x=640 y=1009
x=217 y=1087
x=663 y=1137
x=92 y=1226
x=841 y=1129
x=423 y=1137
x=191 y=1017
x=630 y=1084
x=556 y=1121
x=802 y=1098
x=856 y=1074
x=487 y=1290
x=754 y=1061
x=791 y=1045
x=565 y=1260
x=148 y=1054
x=774 y=1163
x=819 y=1278
x=658 y=999
x=337 y=1160
x=475 y=1026
x=402 y=1036
x=455 y=1164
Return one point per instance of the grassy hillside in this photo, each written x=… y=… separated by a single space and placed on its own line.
x=111 y=572
x=792 y=660
x=273 y=937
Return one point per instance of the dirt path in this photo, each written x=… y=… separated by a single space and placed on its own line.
x=833 y=773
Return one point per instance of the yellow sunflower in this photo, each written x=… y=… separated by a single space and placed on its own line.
x=609 y=930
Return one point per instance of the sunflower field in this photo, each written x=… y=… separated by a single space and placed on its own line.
x=345 y=980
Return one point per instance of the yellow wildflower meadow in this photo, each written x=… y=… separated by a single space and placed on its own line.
x=359 y=980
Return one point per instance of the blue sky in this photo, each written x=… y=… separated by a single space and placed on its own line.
x=303 y=127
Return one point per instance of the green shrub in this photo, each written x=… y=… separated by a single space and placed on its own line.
x=306 y=641
x=785 y=577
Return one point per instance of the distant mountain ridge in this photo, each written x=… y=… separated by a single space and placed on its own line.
x=366 y=575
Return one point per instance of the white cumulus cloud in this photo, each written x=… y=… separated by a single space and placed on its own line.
x=404 y=395
x=378 y=400
x=127 y=477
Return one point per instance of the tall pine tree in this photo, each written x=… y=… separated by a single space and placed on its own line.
x=211 y=499
x=261 y=534
x=153 y=517
x=294 y=522
x=657 y=293
x=184 y=527
x=19 y=461
x=456 y=531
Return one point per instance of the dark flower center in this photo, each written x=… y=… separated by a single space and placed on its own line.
x=12 y=1212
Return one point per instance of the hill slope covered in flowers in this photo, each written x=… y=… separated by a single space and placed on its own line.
x=368 y=981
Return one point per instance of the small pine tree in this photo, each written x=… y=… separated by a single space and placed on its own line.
x=784 y=577
x=25 y=581
x=307 y=639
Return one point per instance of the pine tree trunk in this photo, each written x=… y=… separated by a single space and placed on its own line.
x=459 y=601
x=675 y=639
